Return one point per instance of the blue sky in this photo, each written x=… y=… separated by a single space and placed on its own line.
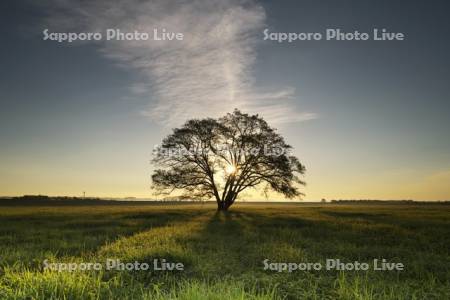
x=368 y=119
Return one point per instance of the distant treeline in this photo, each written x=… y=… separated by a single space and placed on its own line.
x=47 y=200
x=61 y=200
x=365 y=201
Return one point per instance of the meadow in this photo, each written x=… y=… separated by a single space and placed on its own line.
x=223 y=254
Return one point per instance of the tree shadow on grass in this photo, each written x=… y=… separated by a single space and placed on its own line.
x=236 y=241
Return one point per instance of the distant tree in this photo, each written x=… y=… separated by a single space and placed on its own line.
x=220 y=158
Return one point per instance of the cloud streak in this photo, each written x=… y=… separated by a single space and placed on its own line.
x=205 y=75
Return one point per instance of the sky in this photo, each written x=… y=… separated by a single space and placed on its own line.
x=368 y=119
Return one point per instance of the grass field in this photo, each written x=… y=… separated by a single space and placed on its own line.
x=223 y=254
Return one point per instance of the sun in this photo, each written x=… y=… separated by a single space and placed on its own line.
x=230 y=169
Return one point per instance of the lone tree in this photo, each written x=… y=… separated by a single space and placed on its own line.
x=220 y=158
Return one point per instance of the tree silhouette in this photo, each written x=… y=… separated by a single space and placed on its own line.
x=220 y=158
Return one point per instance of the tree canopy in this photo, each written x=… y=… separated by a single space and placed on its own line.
x=220 y=158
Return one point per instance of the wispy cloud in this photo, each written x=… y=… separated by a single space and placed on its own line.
x=207 y=74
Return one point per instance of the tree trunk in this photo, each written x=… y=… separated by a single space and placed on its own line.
x=223 y=205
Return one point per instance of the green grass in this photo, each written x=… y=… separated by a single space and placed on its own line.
x=223 y=254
